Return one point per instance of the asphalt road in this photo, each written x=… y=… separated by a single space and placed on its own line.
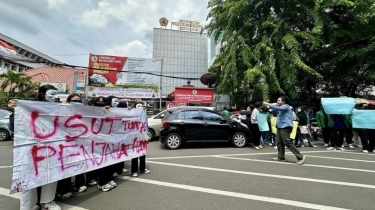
x=204 y=176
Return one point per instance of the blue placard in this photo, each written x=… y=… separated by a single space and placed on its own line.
x=262 y=122
x=338 y=105
x=363 y=118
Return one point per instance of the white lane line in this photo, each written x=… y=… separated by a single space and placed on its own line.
x=309 y=165
x=244 y=154
x=233 y=194
x=5 y=192
x=268 y=175
x=5 y=167
x=335 y=158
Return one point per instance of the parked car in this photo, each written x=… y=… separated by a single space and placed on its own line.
x=191 y=124
x=154 y=122
x=5 y=133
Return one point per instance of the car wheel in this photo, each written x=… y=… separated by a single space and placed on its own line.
x=239 y=139
x=151 y=134
x=4 y=135
x=173 y=141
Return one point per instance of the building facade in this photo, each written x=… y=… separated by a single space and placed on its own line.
x=19 y=57
x=214 y=48
x=184 y=55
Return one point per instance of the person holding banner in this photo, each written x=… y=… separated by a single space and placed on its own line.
x=64 y=185
x=284 y=126
x=339 y=129
x=31 y=199
x=325 y=122
x=105 y=174
x=142 y=159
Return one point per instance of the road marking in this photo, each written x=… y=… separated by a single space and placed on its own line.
x=232 y=194
x=243 y=154
x=6 y=167
x=269 y=175
x=335 y=158
x=5 y=192
x=309 y=165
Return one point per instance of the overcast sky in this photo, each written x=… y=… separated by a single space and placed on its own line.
x=68 y=30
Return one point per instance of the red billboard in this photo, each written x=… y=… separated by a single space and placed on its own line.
x=171 y=104
x=194 y=95
x=98 y=64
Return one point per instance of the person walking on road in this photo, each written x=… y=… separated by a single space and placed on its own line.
x=225 y=112
x=284 y=126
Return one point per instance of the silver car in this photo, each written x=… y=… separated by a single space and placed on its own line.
x=5 y=133
x=154 y=122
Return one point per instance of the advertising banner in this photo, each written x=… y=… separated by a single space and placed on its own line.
x=194 y=95
x=123 y=70
x=122 y=92
x=54 y=141
x=81 y=83
x=171 y=104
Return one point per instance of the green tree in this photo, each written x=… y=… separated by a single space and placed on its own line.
x=17 y=84
x=347 y=58
x=265 y=44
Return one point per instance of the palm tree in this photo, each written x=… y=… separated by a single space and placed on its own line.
x=17 y=84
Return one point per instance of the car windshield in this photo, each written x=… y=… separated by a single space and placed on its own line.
x=4 y=113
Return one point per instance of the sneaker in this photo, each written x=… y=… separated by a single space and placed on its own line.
x=313 y=146
x=113 y=184
x=82 y=189
x=270 y=144
x=351 y=146
x=105 y=188
x=260 y=146
x=275 y=147
x=134 y=175
x=257 y=148
x=325 y=145
x=330 y=148
x=115 y=175
x=277 y=159
x=365 y=151
x=92 y=182
x=67 y=195
x=124 y=170
x=146 y=171
x=341 y=148
x=50 y=206
x=300 y=162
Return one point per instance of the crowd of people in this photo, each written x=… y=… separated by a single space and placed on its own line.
x=334 y=128
x=43 y=197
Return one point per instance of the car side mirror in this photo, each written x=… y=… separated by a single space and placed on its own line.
x=162 y=116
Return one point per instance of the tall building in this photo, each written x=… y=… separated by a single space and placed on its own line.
x=215 y=48
x=184 y=55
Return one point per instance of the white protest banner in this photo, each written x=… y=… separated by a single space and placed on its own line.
x=56 y=141
x=363 y=119
x=338 y=105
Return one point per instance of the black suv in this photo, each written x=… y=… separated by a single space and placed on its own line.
x=200 y=125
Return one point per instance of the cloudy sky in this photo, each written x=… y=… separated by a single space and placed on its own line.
x=68 y=30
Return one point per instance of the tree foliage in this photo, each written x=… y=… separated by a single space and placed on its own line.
x=17 y=84
x=283 y=46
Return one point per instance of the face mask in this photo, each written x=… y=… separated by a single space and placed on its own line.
x=299 y=110
x=114 y=102
x=51 y=95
